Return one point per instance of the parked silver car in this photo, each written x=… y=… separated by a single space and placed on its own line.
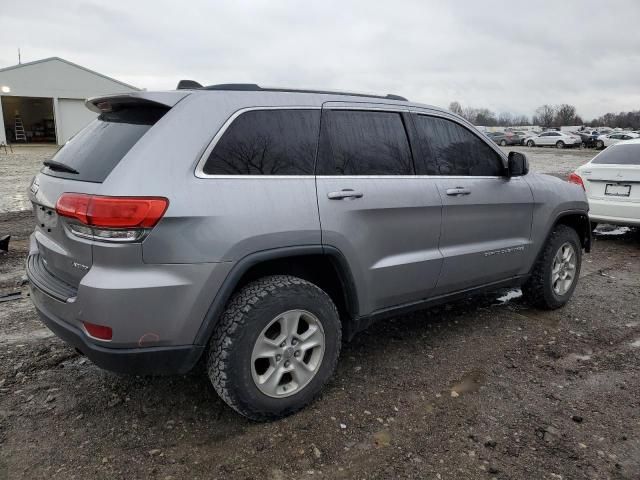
x=262 y=227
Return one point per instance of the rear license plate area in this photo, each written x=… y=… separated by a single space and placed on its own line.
x=617 y=190
x=46 y=217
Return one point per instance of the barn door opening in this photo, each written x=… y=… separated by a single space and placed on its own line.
x=29 y=119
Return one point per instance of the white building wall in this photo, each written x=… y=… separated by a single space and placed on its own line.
x=68 y=84
x=74 y=116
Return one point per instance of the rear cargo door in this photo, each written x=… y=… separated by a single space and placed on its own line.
x=81 y=166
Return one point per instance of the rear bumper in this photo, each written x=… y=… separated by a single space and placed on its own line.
x=140 y=361
x=614 y=212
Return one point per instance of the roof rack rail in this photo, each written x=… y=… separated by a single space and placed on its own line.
x=252 y=87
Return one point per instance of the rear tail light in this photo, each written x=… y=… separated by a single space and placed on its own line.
x=101 y=332
x=577 y=179
x=116 y=219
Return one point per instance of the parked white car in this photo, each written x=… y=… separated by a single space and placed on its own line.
x=613 y=138
x=555 y=139
x=611 y=181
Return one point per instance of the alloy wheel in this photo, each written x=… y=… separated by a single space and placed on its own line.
x=288 y=353
x=563 y=269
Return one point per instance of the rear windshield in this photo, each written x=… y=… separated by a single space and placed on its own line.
x=95 y=151
x=619 y=155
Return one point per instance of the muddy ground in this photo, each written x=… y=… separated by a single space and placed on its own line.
x=482 y=388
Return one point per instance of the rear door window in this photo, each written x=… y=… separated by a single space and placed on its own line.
x=454 y=149
x=358 y=142
x=95 y=151
x=621 y=154
x=267 y=142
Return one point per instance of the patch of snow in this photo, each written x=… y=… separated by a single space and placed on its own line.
x=615 y=231
x=510 y=295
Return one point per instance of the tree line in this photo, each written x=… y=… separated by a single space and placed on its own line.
x=545 y=116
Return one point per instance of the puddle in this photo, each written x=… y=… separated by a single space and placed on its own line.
x=382 y=439
x=469 y=383
x=25 y=337
x=510 y=295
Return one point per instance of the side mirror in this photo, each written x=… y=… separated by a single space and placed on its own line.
x=518 y=165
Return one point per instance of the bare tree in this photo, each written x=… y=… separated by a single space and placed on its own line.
x=505 y=119
x=455 y=107
x=565 y=115
x=545 y=115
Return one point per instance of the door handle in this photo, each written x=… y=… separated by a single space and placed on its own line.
x=346 y=193
x=458 y=191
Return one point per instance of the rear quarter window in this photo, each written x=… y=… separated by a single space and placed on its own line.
x=267 y=142
x=96 y=150
x=620 y=154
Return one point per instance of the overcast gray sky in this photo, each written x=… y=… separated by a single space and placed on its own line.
x=507 y=56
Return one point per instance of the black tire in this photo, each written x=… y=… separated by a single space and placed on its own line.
x=599 y=144
x=538 y=290
x=559 y=144
x=594 y=225
x=530 y=143
x=503 y=143
x=249 y=311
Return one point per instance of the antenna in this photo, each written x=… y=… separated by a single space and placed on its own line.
x=19 y=59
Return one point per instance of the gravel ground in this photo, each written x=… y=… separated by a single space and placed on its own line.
x=483 y=388
x=17 y=168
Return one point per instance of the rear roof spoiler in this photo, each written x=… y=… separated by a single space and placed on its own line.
x=164 y=99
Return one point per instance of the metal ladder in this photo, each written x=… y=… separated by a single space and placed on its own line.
x=19 y=130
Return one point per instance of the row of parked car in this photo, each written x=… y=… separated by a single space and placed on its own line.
x=552 y=138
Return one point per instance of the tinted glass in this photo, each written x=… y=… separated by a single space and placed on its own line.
x=454 y=149
x=98 y=148
x=267 y=142
x=363 y=143
x=621 y=154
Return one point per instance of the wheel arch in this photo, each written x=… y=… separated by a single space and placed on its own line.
x=321 y=265
x=580 y=222
x=576 y=219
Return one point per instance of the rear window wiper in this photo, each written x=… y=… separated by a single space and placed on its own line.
x=59 y=167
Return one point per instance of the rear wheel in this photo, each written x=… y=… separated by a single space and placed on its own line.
x=559 y=144
x=503 y=143
x=556 y=271
x=600 y=144
x=277 y=344
x=530 y=143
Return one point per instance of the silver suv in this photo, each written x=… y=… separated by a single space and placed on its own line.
x=257 y=228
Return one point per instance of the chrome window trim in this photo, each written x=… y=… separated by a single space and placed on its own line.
x=207 y=151
x=311 y=177
x=199 y=172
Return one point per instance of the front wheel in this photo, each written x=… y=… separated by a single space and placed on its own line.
x=276 y=346
x=555 y=274
x=599 y=144
x=503 y=143
x=530 y=143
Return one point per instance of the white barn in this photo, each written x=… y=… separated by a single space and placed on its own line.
x=43 y=101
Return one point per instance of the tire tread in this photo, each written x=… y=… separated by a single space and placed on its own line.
x=233 y=320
